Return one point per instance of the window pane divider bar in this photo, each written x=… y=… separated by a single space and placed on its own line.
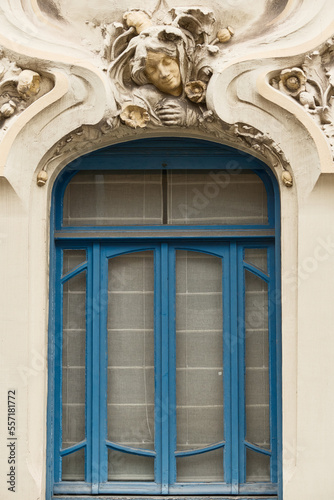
x=74 y=272
x=95 y=322
x=198 y=451
x=257 y=271
x=234 y=368
x=72 y=449
x=164 y=403
x=258 y=449
x=130 y=450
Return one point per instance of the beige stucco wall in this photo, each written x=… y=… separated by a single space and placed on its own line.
x=239 y=92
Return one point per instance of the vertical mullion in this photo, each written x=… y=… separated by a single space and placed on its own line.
x=227 y=349
x=234 y=369
x=157 y=366
x=241 y=364
x=58 y=365
x=95 y=374
x=89 y=368
x=103 y=367
x=172 y=366
x=164 y=371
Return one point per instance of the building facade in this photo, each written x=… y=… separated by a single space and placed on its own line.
x=166 y=249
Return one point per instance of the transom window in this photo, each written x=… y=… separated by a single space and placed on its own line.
x=164 y=345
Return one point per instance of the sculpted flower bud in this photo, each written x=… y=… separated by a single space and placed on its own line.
x=287 y=178
x=28 y=83
x=292 y=81
x=138 y=19
x=195 y=91
x=225 y=34
x=8 y=109
x=42 y=178
x=134 y=116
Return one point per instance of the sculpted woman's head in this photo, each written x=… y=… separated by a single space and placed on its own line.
x=159 y=59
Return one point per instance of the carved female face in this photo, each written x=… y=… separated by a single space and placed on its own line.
x=163 y=71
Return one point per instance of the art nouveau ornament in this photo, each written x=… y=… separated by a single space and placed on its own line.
x=160 y=69
x=18 y=89
x=312 y=86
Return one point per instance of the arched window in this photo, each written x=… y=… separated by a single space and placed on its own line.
x=165 y=333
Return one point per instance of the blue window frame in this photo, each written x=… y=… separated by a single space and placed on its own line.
x=164 y=348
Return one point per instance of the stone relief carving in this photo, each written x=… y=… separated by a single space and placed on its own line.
x=263 y=144
x=18 y=89
x=159 y=65
x=311 y=85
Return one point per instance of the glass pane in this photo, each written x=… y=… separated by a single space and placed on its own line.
x=257 y=257
x=113 y=198
x=73 y=360
x=73 y=466
x=72 y=259
x=204 y=467
x=126 y=467
x=258 y=466
x=131 y=351
x=216 y=197
x=199 y=353
x=257 y=361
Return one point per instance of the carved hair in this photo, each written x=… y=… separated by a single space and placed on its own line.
x=168 y=39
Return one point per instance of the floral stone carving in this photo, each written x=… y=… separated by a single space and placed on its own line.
x=311 y=85
x=18 y=89
x=159 y=65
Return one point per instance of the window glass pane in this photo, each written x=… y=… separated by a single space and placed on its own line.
x=204 y=467
x=127 y=467
x=131 y=350
x=258 y=466
x=199 y=353
x=216 y=197
x=72 y=259
x=113 y=198
x=73 y=360
x=257 y=257
x=257 y=361
x=73 y=466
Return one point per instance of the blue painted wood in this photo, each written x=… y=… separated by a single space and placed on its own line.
x=265 y=277
x=234 y=363
x=89 y=366
x=164 y=370
x=72 y=449
x=131 y=451
x=241 y=363
x=258 y=449
x=199 y=451
x=94 y=317
x=228 y=344
x=165 y=471
x=172 y=364
x=58 y=368
x=158 y=414
x=102 y=340
x=74 y=272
